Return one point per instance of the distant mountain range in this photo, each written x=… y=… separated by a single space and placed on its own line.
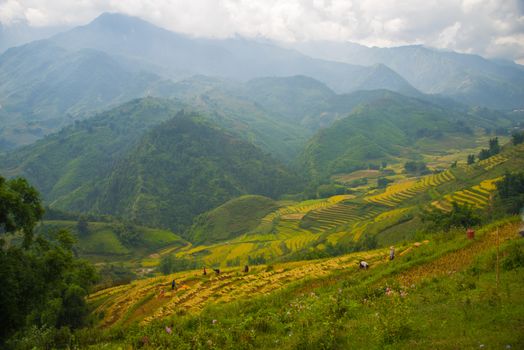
x=467 y=78
x=48 y=84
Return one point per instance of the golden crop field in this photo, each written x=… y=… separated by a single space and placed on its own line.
x=145 y=300
x=401 y=191
x=492 y=161
x=304 y=207
x=477 y=196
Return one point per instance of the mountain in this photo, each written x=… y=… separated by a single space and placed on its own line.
x=232 y=219
x=69 y=162
x=182 y=168
x=141 y=44
x=149 y=162
x=44 y=87
x=20 y=33
x=468 y=78
x=393 y=127
x=307 y=102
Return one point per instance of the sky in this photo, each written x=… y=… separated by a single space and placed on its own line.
x=491 y=28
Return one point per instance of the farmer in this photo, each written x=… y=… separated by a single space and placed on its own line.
x=173 y=285
x=363 y=265
x=217 y=271
x=391 y=253
x=205 y=273
x=246 y=269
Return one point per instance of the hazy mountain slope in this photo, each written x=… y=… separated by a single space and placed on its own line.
x=394 y=126
x=179 y=169
x=178 y=56
x=468 y=78
x=226 y=104
x=68 y=162
x=44 y=87
x=20 y=32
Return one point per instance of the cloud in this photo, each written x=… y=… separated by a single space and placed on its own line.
x=491 y=28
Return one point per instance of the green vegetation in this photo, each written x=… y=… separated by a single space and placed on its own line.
x=114 y=241
x=233 y=218
x=510 y=191
x=459 y=216
x=43 y=285
x=383 y=131
x=337 y=305
x=494 y=148
x=20 y=208
x=183 y=168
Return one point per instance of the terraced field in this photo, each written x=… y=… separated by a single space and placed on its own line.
x=477 y=196
x=341 y=214
x=493 y=161
x=145 y=300
x=401 y=191
x=304 y=207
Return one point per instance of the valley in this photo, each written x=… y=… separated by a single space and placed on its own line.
x=160 y=189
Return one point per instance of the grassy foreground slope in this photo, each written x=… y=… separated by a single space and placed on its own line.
x=439 y=294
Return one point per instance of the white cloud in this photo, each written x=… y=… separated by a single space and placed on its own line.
x=486 y=27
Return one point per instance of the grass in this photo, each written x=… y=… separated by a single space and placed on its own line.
x=441 y=295
x=102 y=242
x=390 y=215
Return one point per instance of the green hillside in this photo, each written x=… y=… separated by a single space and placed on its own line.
x=113 y=241
x=233 y=218
x=331 y=303
x=72 y=160
x=367 y=218
x=392 y=128
x=44 y=88
x=179 y=169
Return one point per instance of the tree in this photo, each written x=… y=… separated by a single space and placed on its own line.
x=459 y=216
x=471 y=159
x=484 y=154
x=416 y=167
x=20 y=208
x=494 y=147
x=82 y=226
x=42 y=284
x=382 y=182
x=517 y=137
x=510 y=192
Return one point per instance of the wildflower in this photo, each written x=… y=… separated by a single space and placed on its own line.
x=214 y=321
x=169 y=330
x=481 y=346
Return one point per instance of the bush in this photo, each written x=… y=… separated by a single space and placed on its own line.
x=514 y=257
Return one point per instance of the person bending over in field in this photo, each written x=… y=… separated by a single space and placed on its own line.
x=363 y=265
x=217 y=271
